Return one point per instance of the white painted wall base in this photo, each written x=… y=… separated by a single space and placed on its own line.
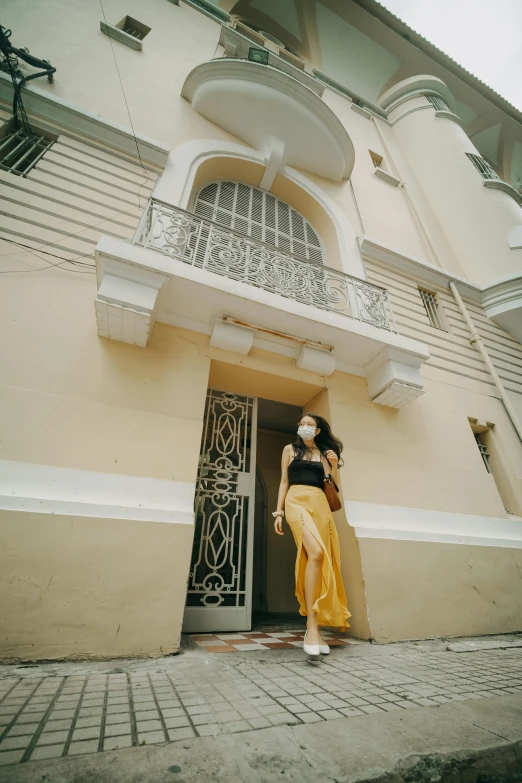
x=54 y=490
x=372 y=520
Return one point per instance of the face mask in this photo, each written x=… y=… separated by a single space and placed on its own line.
x=306 y=432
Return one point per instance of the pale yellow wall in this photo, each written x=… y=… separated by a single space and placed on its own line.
x=423 y=455
x=75 y=400
x=80 y=587
x=382 y=207
x=417 y=590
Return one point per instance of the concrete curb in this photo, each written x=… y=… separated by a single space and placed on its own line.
x=476 y=741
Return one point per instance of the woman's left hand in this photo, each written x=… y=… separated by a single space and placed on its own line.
x=332 y=458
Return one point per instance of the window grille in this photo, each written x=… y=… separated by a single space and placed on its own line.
x=20 y=151
x=485 y=169
x=376 y=159
x=429 y=300
x=259 y=215
x=133 y=27
x=484 y=453
x=437 y=103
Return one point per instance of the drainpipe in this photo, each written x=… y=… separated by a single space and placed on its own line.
x=411 y=205
x=476 y=339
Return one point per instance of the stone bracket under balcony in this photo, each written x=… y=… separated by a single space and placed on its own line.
x=126 y=300
x=335 y=333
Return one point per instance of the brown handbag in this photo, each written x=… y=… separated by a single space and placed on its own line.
x=331 y=490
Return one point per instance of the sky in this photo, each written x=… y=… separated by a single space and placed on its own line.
x=484 y=36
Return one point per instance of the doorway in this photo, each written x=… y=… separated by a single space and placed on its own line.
x=273 y=590
x=239 y=566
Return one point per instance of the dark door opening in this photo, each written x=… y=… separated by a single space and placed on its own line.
x=273 y=588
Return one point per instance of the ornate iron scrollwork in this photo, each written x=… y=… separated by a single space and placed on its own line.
x=223 y=251
x=218 y=571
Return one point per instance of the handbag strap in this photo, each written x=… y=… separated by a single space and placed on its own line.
x=327 y=471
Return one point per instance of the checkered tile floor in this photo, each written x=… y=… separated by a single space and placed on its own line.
x=243 y=642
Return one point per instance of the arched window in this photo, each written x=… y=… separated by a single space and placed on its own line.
x=259 y=215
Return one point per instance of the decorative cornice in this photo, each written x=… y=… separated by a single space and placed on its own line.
x=415 y=267
x=415 y=86
x=501 y=299
x=53 y=113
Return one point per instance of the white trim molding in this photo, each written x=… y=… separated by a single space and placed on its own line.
x=258 y=102
x=505 y=187
x=414 y=87
x=386 y=177
x=502 y=302
x=501 y=299
x=402 y=523
x=47 y=489
x=375 y=250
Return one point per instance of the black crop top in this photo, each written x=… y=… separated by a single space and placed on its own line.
x=307 y=472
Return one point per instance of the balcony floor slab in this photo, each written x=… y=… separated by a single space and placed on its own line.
x=194 y=298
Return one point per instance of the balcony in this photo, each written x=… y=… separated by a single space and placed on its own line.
x=187 y=271
x=206 y=245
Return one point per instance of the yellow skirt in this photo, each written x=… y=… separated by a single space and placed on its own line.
x=308 y=506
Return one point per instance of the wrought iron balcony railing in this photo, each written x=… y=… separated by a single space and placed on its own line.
x=224 y=251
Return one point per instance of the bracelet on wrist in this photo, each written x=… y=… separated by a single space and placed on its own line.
x=278 y=513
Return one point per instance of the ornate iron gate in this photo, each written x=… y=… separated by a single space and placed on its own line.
x=219 y=591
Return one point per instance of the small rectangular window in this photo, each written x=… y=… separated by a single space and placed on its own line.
x=376 y=159
x=20 y=150
x=431 y=305
x=497 y=459
x=133 y=27
x=128 y=31
x=437 y=103
x=486 y=170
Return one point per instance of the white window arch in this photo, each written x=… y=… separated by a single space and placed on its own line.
x=260 y=215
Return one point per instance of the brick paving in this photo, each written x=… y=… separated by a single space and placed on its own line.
x=55 y=710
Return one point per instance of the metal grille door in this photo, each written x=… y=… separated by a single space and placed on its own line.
x=219 y=591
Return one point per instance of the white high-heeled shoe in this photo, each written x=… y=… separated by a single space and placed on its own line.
x=313 y=650
x=324 y=649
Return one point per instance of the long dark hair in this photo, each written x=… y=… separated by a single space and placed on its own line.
x=324 y=441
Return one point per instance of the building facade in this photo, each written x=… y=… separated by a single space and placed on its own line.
x=235 y=212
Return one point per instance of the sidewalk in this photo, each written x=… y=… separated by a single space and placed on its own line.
x=435 y=710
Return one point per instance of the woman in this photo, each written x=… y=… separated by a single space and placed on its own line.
x=319 y=584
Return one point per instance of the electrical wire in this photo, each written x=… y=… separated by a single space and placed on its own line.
x=63 y=261
x=121 y=85
x=81 y=231
x=117 y=212
x=53 y=255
